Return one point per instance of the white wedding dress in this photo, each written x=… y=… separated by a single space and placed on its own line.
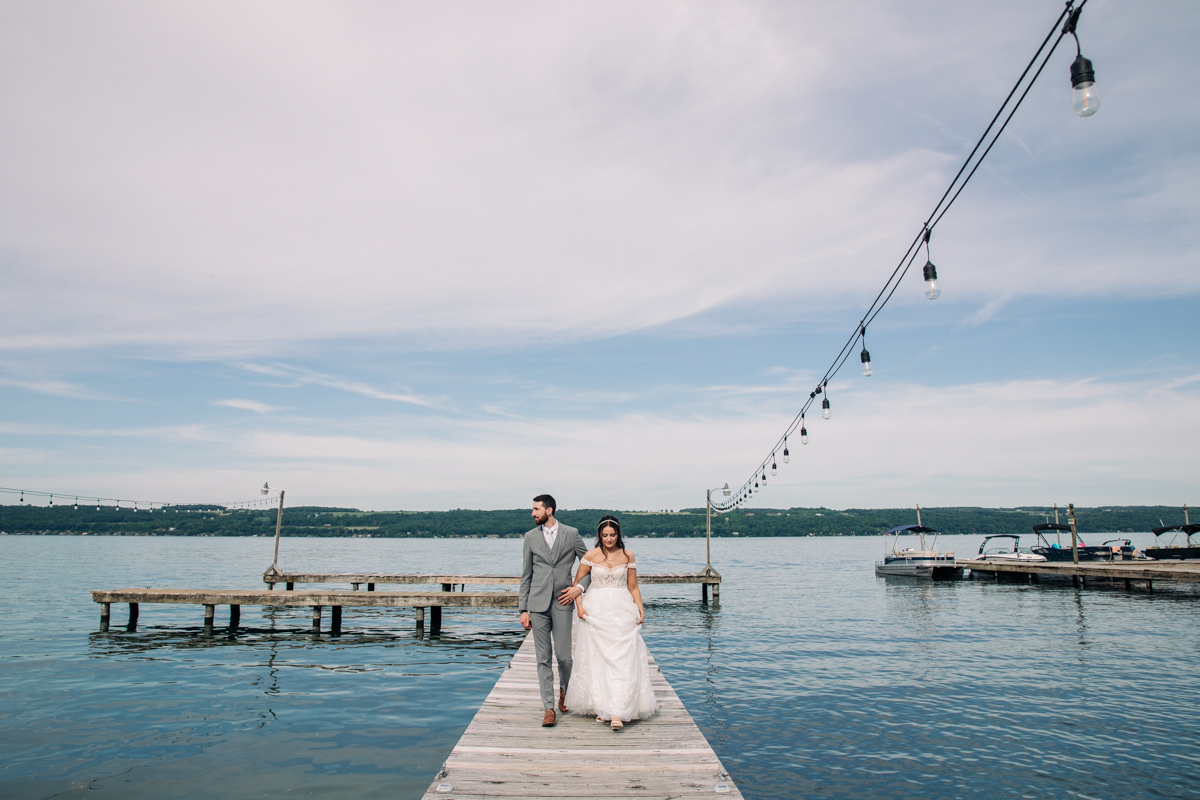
x=611 y=673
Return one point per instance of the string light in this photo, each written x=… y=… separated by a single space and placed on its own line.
x=121 y=504
x=865 y=357
x=773 y=473
x=1085 y=97
x=1082 y=78
x=786 y=455
x=933 y=289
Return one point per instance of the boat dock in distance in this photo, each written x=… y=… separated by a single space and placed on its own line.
x=1127 y=571
x=506 y=753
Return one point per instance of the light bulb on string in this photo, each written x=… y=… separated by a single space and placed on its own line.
x=773 y=468
x=824 y=402
x=864 y=356
x=764 y=479
x=787 y=457
x=51 y=499
x=76 y=503
x=1085 y=97
x=803 y=431
x=933 y=289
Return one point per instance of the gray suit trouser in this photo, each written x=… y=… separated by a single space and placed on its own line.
x=552 y=626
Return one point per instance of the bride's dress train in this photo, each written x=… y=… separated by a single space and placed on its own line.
x=611 y=673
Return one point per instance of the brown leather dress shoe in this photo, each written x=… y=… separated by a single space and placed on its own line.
x=548 y=718
x=562 y=701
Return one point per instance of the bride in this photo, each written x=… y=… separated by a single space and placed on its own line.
x=611 y=678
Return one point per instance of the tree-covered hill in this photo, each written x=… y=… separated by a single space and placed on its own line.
x=320 y=521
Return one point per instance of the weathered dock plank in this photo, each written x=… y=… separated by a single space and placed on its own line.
x=358 y=578
x=315 y=599
x=506 y=753
x=705 y=578
x=324 y=597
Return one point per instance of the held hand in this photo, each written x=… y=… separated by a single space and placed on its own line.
x=568 y=595
x=525 y=623
x=641 y=615
x=579 y=610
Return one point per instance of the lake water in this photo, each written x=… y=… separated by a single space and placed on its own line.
x=811 y=678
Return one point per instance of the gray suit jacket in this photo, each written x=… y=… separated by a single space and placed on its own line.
x=545 y=573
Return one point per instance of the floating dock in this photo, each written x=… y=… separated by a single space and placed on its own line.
x=506 y=754
x=1128 y=571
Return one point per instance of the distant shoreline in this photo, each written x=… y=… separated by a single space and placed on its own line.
x=312 y=521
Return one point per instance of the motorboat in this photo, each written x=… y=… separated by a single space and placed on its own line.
x=1006 y=553
x=1123 y=550
x=916 y=562
x=1173 y=550
x=1057 y=551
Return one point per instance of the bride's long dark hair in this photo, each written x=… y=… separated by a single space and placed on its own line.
x=608 y=520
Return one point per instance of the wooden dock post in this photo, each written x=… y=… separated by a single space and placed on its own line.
x=506 y=753
x=105 y=613
x=133 y=617
x=435 y=619
x=335 y=621
x=316 y=616
x=235 y=617
x=210 y=612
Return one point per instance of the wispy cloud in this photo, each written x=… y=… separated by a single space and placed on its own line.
x=56 y=388
x=988 y=311
x=247 y=405
x=298 y=376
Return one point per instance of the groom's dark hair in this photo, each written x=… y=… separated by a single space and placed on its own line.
x=547 y=501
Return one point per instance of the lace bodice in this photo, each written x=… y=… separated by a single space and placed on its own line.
x=609 y=577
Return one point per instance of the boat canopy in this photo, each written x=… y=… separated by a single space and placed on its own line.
x=909 y=529
x=1051 y=526
x=1190 y=530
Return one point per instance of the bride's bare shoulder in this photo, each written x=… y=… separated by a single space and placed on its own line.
x=631 y=559
x=593 y=555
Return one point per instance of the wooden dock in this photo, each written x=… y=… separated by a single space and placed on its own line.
x=316 y=600
x=705 y=578
x=1128 y=571
x=433 y=600
x=505 y=753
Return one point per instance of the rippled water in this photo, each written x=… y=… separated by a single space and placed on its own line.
x=811 y=678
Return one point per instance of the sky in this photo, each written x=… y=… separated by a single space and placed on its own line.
x=430 y=256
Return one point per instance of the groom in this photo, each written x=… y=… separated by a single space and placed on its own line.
x=548 y=571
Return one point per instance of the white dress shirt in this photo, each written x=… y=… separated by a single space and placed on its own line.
x=551 y=534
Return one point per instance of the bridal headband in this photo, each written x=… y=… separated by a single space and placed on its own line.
x=608 y=520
